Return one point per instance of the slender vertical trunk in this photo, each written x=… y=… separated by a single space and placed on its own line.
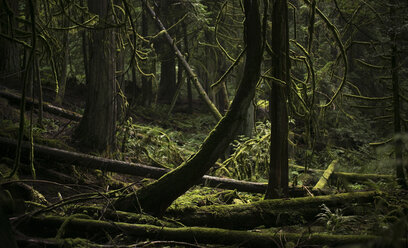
x=167 y=86
x=396 y=103
x=278 y=168
x=147 y=89
x=63 y=65
x=187 y=52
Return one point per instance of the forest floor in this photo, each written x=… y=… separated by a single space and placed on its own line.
x=68 y=205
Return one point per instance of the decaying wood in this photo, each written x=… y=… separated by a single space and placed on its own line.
x=47 y=106
x=350 y=177
x=274 y=212
x=199 y=235
x=93 y=162
x=324 y=179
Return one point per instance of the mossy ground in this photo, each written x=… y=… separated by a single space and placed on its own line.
x=169 y=141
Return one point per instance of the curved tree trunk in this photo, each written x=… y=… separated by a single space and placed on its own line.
x=156 y=197
x=96 y=130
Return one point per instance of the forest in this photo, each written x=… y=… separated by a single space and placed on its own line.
x=192 y=123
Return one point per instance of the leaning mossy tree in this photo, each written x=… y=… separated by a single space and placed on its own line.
x=156 y=197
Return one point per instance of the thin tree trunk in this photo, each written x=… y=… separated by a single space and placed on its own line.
x=396 y=100
x=9 y=51
x=63 y=64
x=187 y=51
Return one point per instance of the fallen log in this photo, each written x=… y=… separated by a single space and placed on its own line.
x=350 y=177
x=47 y=106
x=200 y=235
x=136 y=169
x=324 y=179
x=274 y=212
x=103 y=213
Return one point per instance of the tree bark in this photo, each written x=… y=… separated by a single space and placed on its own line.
x=278 y=168
x=167 y=86
x=96 y=130
x=9 y=51
x=398 y=144
x=147 y=89
x=63 y=64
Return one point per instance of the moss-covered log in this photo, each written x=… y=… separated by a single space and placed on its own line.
x=46 y=106
x=93 y=162
x=324 y=179
x=350 y=177
x=76 y=226
x=101 y=212
x=274 y=212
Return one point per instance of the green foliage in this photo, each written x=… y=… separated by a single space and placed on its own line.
x=335 y=221
x=151 y=145
x=250 y=157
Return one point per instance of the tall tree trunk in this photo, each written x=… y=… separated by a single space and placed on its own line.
x=278 y=168
x=96 y=130
x=9 y=52
x=396 y=101
x=187 y=52
x=147 y=89
x=167 y=86
x=63 y=64
x=157 y=197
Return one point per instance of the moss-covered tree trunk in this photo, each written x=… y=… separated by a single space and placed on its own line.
x=156 y=197
x=96 y=130
x=278 y=168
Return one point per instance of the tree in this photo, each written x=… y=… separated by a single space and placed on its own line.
x=167 y=86
x=157 y=196
x=278 y=168
x=9 y=52
x=96 y=131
